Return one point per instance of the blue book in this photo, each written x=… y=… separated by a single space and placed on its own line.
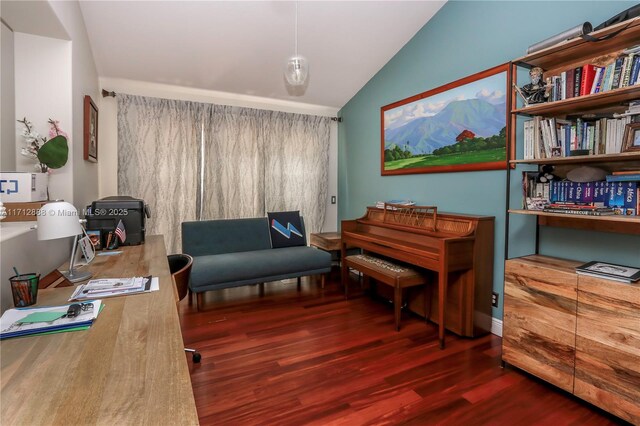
x=571 y=193
x=635 y=69
x=630 y=198
x=624 y=178
x=616 y=197
x=601 y=193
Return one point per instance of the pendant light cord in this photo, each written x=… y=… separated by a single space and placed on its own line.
x=296 y=30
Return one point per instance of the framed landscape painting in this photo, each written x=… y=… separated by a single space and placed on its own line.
x=461 y=126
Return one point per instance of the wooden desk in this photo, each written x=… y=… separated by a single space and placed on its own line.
x=128 y=368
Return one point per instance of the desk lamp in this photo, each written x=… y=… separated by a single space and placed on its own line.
x=59 y=219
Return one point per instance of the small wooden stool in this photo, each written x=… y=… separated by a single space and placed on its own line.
x=396 y=276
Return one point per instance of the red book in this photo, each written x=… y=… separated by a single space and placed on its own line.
x=570 y=83
x=588 y=74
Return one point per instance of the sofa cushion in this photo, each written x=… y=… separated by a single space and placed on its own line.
x=286 y=229
x=206 y=237
x=257 y=266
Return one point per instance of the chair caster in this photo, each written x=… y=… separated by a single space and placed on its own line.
x=195 y=355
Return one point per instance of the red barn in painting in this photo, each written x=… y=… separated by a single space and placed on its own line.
x=466 y=134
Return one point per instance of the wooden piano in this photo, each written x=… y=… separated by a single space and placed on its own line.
x=456 y=249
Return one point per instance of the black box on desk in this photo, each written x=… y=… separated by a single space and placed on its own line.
x=104 y=215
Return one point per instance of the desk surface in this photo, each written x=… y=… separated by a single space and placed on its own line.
x=129 y=367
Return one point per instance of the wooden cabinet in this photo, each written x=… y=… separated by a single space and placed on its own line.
x=579 y=333
x=539 y=324
x=607 y=368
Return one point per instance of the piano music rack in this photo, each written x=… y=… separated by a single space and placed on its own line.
x=421 y=217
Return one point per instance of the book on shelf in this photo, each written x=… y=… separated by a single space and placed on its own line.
x=49 y=319
x=587 y=79
x=610 y=271
x=627 y=177
x=406 y=203
x=599 y=198
x=111 y=287
x=578 y=209
x=554 y=137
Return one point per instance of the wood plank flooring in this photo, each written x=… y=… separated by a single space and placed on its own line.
x=309 y=356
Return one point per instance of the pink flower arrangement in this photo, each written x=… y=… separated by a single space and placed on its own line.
x=34 y=141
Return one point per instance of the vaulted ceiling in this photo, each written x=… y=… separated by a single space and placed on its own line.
x=241 y=46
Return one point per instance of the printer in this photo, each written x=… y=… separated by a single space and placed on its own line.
x=105 y=214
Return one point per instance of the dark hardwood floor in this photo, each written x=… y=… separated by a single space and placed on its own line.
x=309 y=356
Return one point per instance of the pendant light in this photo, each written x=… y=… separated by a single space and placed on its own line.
x=297 y=68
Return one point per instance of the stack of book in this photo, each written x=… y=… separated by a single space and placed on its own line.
x=609 y=271
x=50 y=319
x=580 y=209
x=406 y=203
x=619 y=195
x=110 y=287
x=589 y=79
x=554 y=137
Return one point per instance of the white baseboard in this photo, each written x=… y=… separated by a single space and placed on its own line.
x=496 y=327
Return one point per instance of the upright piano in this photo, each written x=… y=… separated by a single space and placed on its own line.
x=455 y=250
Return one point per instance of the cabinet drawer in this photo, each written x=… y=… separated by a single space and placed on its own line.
x=608 y=346
x=540 y=318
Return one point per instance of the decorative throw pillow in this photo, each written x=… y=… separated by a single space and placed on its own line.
x=286 y=229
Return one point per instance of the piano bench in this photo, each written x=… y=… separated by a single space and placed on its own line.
x=384 y=271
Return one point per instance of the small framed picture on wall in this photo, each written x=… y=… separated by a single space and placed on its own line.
x=90 y=130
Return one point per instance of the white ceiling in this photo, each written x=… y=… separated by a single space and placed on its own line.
x=241 y=46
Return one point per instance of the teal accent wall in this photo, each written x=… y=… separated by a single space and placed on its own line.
x=466 y=37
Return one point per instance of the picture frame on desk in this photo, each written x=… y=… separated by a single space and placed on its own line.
x=95 y=235
x=90 y=130
x=631 y=140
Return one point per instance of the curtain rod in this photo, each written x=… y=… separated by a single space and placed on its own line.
x=106 y=93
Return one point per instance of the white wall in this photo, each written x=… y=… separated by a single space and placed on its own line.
x=52 y=75
x=108 y=127
x=84 y=82
x=7 y=99
x=43 y=91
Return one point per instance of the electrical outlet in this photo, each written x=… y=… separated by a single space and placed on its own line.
x=333 y=199
x=494 y=299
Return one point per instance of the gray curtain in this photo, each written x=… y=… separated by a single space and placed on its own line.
x=254 y=162
x=158 y=157
x=260 y=161
x=234 y=163
x=296 y=164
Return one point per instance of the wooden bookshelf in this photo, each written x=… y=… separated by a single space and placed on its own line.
x=585 y=103
x=578 y=50
x=613 y=223
x=608 y=162
x=564 y=338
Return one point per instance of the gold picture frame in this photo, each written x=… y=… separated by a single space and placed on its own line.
x=90 y=130
x=631 y=140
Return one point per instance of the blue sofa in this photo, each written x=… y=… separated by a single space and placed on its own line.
x=237 y=252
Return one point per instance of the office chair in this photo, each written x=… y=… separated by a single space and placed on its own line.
x=180 y=267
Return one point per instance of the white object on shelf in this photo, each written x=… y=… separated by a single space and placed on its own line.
x=23 y=187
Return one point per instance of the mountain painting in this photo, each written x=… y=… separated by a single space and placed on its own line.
x=461 y=126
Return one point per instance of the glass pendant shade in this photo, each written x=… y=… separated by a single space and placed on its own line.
x=296 y=70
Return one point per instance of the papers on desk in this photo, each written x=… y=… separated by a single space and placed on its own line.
x=110 y=287
x=49 y=319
